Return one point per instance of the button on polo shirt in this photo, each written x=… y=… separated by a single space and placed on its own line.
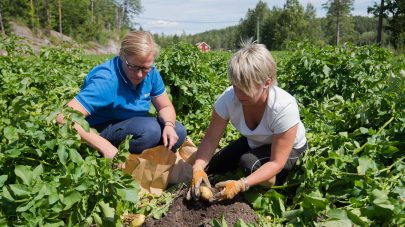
x=108 y=95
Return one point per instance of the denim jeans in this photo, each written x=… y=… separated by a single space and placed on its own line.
x=146 y=133
x=238 y=154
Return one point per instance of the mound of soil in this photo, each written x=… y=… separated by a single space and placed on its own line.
x=198 y=213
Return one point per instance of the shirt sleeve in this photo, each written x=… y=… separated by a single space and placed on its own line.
x=158 y=87
x=220 y=106
x=96 y=93
x=287 y=118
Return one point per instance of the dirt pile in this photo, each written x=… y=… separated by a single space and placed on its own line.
x=201 y=214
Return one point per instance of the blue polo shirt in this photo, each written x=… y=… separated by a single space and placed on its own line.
x=108 y=95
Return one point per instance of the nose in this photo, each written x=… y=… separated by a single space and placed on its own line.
x=138 y=74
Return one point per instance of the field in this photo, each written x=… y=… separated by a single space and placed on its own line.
x=352 y=102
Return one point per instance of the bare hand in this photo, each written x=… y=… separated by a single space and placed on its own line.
x=169 y=137
x=110 y=153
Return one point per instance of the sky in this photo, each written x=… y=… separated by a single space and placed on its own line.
x=195 y=16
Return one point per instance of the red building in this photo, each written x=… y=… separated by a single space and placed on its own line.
x=204 y=47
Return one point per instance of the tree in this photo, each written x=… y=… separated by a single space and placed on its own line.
x=269 y=29
x=34 y=22
x=60 y=16
x=338 y=10
x=3 y=32
x=127 y=9
x=380 y=22
x=394 y=12
x=313 y=31
x=247 y=28
x=291 y=24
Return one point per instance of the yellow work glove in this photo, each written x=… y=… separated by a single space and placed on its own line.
x=230 y=188
x=199 y=176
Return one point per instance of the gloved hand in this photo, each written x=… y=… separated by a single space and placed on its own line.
x=230 y=188
x=199 y=176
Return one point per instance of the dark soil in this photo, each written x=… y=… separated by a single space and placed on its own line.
x=199 y=213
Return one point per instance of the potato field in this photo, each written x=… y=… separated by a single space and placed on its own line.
x=352 y=103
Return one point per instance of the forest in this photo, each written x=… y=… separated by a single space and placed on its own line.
x=277 y=27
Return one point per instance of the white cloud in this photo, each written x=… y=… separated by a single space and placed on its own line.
x=161 y=24
x=178 y=16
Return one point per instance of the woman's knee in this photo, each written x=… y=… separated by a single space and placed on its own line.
x=249 y=163
x=146 y=136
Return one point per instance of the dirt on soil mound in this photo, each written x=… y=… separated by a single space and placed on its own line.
x=198 y=213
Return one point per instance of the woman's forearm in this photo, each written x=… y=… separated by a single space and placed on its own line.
x=96 y=141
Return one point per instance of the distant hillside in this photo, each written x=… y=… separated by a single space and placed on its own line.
x=44 y=38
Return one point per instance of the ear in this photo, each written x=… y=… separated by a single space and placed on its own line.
x=267 y=83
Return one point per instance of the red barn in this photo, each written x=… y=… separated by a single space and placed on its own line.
x=204 y=47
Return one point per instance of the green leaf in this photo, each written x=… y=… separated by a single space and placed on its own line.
x=75 y=156
x=336 y=223
x=314 y=201
x=292 y=214
x=62 y=154
x=223 y=222
x=365 y=163
x=70 y=199
x=357 y=218
x=98 y=220
x=79 y=118
x=6 y=194
x=19 y=189
x=3 y=179
x=108 y=211
x=37 y=172
x=389 y=150
x=53 y=198
x=326 y=70
x=363 y=130
x=10 y=133
x=383 y=208
x=337 y=214
x=240 y=223
x=25 y=207
x=130 y=195
x=24 y=173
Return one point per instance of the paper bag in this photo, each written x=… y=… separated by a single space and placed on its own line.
x=151 y=168
x=182 y=170
x=157 y=167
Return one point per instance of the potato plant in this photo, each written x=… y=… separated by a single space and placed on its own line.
x=352 y=102
x=47 y=175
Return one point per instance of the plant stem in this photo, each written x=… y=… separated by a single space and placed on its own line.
x=379 y=131
x=285 y=186
x=41 y=161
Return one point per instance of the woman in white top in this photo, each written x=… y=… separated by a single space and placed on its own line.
x=273 y=136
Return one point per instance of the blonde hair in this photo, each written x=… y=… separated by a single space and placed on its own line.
x=251 y=66
x=139 y=43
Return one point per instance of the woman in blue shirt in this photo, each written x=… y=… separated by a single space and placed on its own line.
x=116 y=96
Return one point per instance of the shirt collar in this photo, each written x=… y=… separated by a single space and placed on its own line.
x=121 y=70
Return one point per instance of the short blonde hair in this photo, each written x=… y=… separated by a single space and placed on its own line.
x=251 y=66
x=139 y=44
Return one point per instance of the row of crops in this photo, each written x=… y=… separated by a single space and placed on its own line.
x=352 y=102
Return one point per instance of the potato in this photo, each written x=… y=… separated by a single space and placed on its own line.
x=138 y=220
x=206 y=193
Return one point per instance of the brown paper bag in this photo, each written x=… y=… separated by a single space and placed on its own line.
x=151 y=168
x=182 y=170
x=157 y=167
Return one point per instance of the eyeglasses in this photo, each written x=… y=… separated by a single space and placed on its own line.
x=137 y=68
